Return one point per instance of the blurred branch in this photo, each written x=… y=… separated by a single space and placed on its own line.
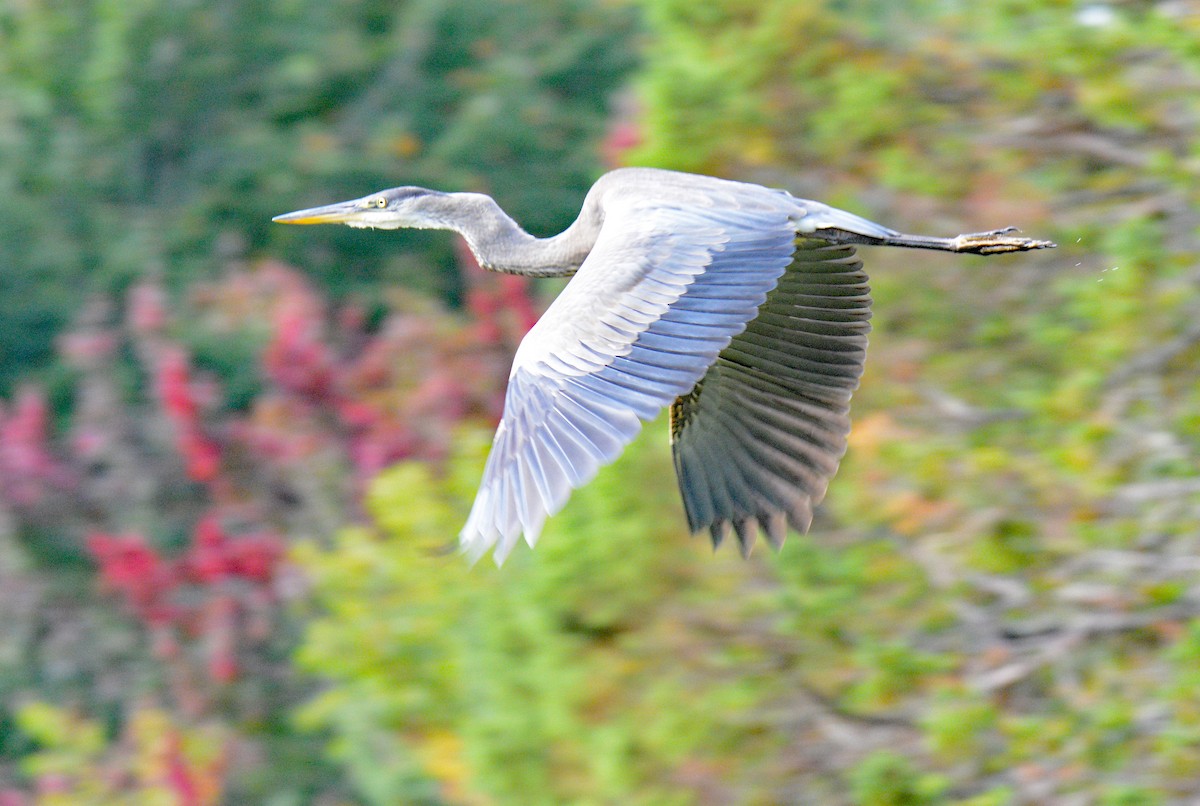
x=957 y=411
x=1054 y=644
x=1132 y=561
x=1145 y=492
x=1156 y=359
x=1064 y=138
x=1009 y=590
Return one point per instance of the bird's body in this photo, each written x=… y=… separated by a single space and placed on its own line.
x=742 y=308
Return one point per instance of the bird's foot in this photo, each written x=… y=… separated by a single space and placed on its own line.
x=996 y=242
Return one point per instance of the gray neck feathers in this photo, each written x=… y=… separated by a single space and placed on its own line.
x=501 y=245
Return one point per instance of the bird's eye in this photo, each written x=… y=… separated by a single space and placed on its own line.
x=379 y=202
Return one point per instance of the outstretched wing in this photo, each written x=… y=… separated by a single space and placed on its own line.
x=760 y=436
x=667 y=285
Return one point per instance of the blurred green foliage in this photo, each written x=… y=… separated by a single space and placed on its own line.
x=154 y=762
x=143 y=137
x=555 y=679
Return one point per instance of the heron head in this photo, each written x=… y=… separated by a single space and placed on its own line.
x=409 y=207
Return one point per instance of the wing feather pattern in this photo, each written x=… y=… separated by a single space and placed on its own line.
x=663 y=292
x=757 y=440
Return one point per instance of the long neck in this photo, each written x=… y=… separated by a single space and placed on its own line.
x=501 y=245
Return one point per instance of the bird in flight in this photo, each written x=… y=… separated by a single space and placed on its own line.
x=742 y=308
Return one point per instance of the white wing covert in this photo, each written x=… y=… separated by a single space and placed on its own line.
x=663 y=291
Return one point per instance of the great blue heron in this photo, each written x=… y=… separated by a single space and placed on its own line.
x=742 y=307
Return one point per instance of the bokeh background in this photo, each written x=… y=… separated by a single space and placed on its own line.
x=234 y=456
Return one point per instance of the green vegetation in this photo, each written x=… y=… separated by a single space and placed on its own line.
x=996 y=605
x=161 y=137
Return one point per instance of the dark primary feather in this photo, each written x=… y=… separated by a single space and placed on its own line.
x=757 y=440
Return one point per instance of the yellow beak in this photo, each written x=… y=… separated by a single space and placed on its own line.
x=339 y=213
